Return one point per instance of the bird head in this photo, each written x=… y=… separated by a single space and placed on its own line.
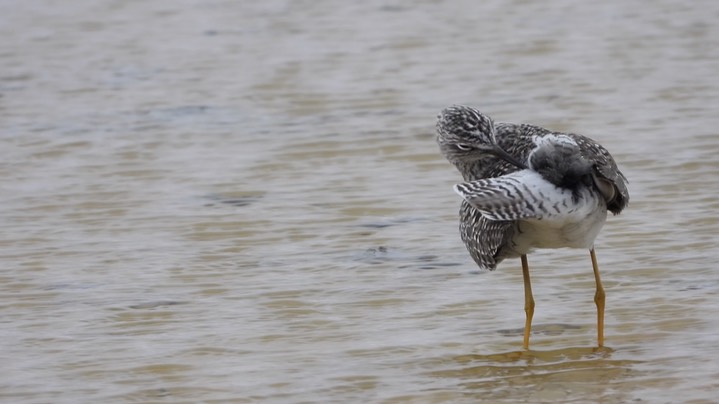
x=465 y=135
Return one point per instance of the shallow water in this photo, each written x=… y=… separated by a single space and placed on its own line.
x=229 y=202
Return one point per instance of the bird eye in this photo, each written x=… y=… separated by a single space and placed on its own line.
x=464 y=147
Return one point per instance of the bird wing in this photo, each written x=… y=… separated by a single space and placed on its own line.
x=607 y=174
x=484 y=238
x=519 y=140
x=520 y=195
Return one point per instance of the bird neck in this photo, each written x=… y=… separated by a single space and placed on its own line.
x=476 y=169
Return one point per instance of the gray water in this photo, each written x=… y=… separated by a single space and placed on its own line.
x=220 y=201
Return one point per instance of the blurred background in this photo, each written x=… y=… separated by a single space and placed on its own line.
x=234 y=201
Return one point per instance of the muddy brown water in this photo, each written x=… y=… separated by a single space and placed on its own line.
x=217 y=201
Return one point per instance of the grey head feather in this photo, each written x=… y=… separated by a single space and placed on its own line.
x=464 y=134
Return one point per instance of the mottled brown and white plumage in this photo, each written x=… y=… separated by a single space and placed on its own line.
x=527 y=187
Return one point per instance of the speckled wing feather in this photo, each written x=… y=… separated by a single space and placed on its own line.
x=483 y=237
x=520 y=195
x=517 y=140
x=606 y=168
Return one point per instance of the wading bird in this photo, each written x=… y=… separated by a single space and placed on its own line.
x=527 y=187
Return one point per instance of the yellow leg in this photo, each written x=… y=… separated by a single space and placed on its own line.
x=599 y=299
x=528 y=301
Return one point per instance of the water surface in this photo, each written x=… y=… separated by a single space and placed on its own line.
x=221 y=201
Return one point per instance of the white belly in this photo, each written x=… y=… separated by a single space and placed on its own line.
x=544 y=215
x=576 y=229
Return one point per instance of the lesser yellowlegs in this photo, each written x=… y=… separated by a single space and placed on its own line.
x=527 y=187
